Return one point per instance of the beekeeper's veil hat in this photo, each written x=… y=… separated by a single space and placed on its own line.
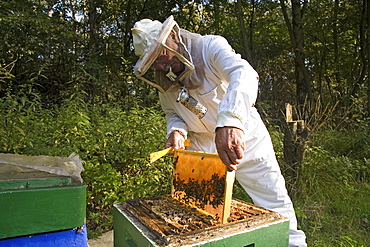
x=149 y=39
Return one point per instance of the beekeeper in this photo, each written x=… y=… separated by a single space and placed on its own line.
x=208 y=92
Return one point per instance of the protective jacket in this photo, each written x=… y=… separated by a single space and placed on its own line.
x=228 y=88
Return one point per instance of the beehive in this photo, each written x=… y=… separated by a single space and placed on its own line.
x=199 y=212
x=33 y=201
x=163 y=221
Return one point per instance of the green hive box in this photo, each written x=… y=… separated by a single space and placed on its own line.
x=34 y=201
x=162 y=221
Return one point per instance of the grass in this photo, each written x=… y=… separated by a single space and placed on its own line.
x=332 y=196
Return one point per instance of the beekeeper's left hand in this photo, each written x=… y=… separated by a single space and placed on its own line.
x=230 y=145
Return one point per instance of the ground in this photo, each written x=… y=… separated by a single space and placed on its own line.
x=105 y=240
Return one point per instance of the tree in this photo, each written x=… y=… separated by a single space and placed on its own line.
x=365 y=50
x=296 y=134
x=295 y=28
x=247 y=42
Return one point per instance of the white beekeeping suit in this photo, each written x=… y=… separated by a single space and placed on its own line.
x=227 y=85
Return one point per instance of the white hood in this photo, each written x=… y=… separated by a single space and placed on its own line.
x=149 y=41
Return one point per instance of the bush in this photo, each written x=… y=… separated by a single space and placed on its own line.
x=114 y=144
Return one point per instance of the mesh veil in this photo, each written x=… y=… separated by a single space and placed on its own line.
x=189 y=53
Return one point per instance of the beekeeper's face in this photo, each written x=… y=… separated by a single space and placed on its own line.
x=166 y=60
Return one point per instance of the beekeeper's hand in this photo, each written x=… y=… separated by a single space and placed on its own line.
x=175 y=140
x=230 y=146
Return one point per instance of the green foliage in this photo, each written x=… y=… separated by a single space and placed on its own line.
x=16 y=113
x=352 y=144
x=331 y=195
x=103 y=186
x=240 y=193
x=277 y=138
x=114 y=144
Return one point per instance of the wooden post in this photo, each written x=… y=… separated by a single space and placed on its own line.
x=295 y=138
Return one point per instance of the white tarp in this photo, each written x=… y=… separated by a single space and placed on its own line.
x=64 y=166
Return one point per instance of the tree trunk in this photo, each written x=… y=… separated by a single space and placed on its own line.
x=303 y=86
x=367 y=6
x=247 y=52
x=335 y=43
x=93 y=48
x=364 y=35
x=217 y=15
x=127 y=29
x=93 y=37
x=304 y=93
x=296 y=133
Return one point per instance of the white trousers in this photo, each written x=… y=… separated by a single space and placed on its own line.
x=265 y=184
